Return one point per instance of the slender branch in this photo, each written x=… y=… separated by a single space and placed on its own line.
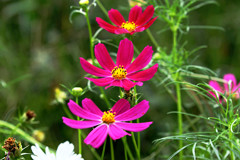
x=112 y=149
x=90 y=36
x=152 y=38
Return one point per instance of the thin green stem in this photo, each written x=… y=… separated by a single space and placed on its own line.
x=91 y=148
x=105 y=97
x=195 y=75
x=230 y=143
x=112 y=149
x=90 y=36
x=179 y=107
x=67 y=111
x=135 y=145
x=79 y=134
x=139 y=139
x=127 y=148
x=21 y=133
x=103 y=151
x=102 y=7
x=152 y=38
x=174 y=46
x=138 y=133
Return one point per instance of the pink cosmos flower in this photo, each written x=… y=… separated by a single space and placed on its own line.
x=234 y=88
x=124 y=71
x=137 y=21
x=110 y=122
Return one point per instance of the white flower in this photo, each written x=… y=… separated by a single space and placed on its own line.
x=64 y=152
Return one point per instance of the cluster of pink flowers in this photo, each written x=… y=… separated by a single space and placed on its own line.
x=124 y=73
x=230 y=81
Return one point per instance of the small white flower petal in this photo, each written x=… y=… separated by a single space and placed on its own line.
x=40 y=155
x=65 y=151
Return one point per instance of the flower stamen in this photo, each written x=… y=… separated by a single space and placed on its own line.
x=108 y=117
x=119 y=72
x=130 y=26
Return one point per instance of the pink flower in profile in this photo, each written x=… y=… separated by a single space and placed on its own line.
x=137 y=21
x=230 y=81
x=112 y=122
x=124 y=71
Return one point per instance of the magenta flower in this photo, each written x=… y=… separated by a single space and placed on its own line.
x=137 y=21
x=110 y=122
x=234 y=88
x=124 y=71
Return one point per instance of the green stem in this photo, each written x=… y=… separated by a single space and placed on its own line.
x=179 y=107
x=125 y=148
x=230 y=142
x=105 y=97
x=79 y=134
x=138 y=133
x=67 y=111
x=124 y=139
x=139 y=139
x=90 y=36
x=103 y=151
x=102 y=7
x=174 y=46
x=112 y=149
x=195 y=75
x=135 y=145
x=152 y=38
x=91 y=148
x=20 y=132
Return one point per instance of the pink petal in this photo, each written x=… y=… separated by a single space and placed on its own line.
x=215 y=86
x=103 y=57
x=89 y=105
x=79 y=124
x=138 y=29
x=117 y=83
x=115 y=132
x=141 y=61
x=133 y=127
x=145 y=16
x=121 y=106
x=229 y=77
x=97 y=136
x=127 y=84
x=134 y=13
x=82 y=113
x=101 y=81
x=237 y=88
x=125 y=53
x=121 y=31
x=110 y=28
x=91 y=69
x=146 y=26
x=134 y=113
x=143 y=75
x=116 y=17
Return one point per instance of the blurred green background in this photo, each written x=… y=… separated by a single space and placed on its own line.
x=40 y=49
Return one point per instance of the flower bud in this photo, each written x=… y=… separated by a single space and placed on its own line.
x=133 y=3
x=30 y=115
x=60 y=95
x=38 y=135
x=83 y=2
x=13 y=147
x=77 y=91
x=157 y=56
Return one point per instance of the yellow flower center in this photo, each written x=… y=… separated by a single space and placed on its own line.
x=130 y=26
x=108 y=117
x=119 y=72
